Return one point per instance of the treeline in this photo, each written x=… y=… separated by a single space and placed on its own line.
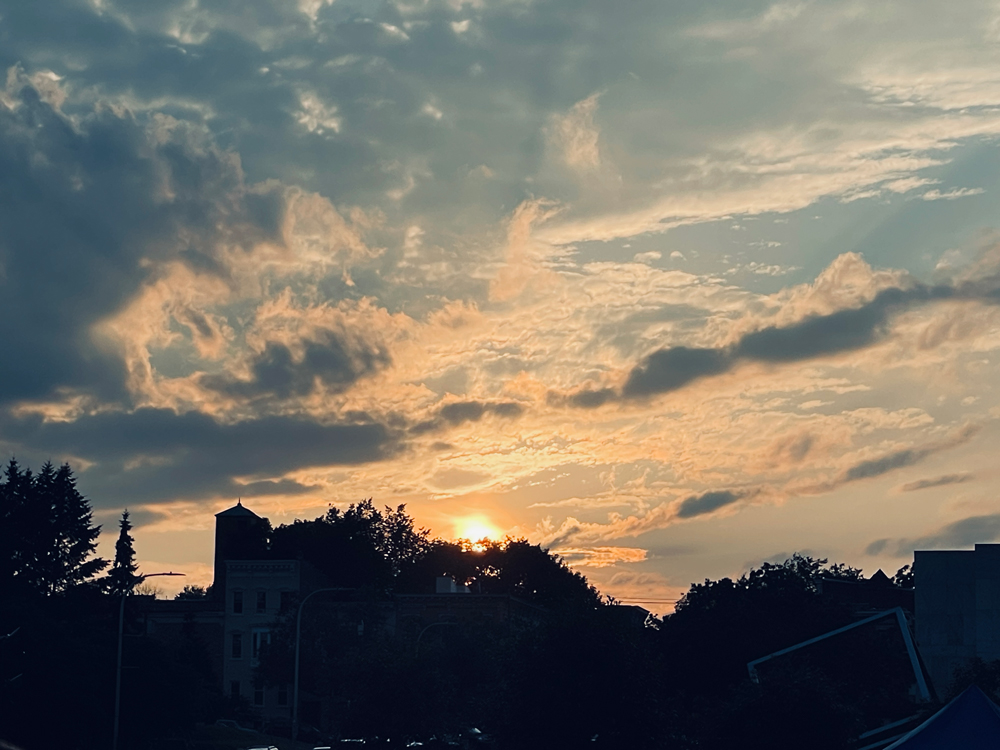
x=382 y=551
x=59 y=609
x=587 y=675
x=580 y=672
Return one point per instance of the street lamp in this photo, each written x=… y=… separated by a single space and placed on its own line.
x=118 y=672
x=298 y=633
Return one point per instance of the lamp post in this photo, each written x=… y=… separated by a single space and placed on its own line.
x=118 y=671
x=298 y=633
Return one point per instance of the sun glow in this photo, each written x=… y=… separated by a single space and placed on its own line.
x=475 y=529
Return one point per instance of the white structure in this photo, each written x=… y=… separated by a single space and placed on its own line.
x=256 y=590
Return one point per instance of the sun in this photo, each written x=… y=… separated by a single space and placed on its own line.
x=475 y=529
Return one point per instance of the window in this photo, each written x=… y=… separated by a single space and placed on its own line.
x=261 y=601
x=237 y=602
x=237 y=651
x=286 y=600
x=258 y=695
x=234 y=689
x=283 y=695
x=259 y=638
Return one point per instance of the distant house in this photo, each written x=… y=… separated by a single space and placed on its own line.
x=957 y=608
x=251 y=591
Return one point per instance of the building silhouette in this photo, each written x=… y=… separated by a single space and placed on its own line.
x=957 y=608
x=251 y=591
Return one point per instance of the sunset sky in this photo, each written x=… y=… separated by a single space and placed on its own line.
x=672 y=288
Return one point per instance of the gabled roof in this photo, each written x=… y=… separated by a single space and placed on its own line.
x=970 y=722
x=880 y=579
x=237 y=511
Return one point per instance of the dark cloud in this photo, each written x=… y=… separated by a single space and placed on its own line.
x=815 y=336
x=462 y=411
x=459 y=412
x=907 y=457
x=329 y=360
x=86 y=208
x=820 y=335
x=669 y=369
x=428 y=425
x=591 y=399
x=876 y=547
x=508 y=409
x=585 y=398
x=923 y=484
x=698 y=505
x=960 y=534
x=878 y=466
x=153 y=455
x=274 y=487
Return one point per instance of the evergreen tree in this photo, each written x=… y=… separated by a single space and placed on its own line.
x=46 y=531
x=24 y=528
x=74 y=536
x=123 y=577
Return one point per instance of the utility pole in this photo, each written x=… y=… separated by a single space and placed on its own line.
x=118 y=671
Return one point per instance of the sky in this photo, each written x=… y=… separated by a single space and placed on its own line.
x=670 y=288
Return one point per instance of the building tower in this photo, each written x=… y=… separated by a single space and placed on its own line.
x=240 y=534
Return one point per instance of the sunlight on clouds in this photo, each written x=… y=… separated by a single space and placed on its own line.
x=370 y=237
x=576 y=135
x=950 y=195
x=523 y=252
x=600 y=557
x=316 y=116
x=311 y=8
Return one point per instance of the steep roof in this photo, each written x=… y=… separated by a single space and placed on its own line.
x=880 y=579
x=237 y=511
x=970 y=722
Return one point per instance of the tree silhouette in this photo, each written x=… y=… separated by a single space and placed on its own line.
x=123 y=577
x=904 y=577
x=47 y=531
x=74 y=536
x=512 y=566
x=359 y=547
x=18 y=535
x=192 y=593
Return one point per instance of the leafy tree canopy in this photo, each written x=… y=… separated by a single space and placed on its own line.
x=359 y=547
x=719 y=626
x=513 y=566
x=193 y=593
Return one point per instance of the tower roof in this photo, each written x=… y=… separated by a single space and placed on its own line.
x=237 y=511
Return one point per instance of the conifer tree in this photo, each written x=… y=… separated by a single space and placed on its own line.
x=46 y=531
x=75 y=538
x=13 y=525
x=123 y=577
